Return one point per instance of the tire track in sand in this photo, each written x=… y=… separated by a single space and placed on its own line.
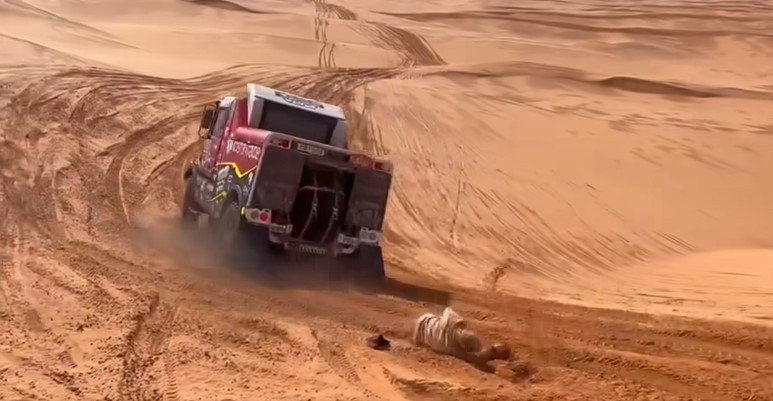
x=142 y=374
x=115 y=171
x=27 y=320
x=338 y=86
x=112 y=105
x=17 y=310
x=335 y=355
x=47 y=197
x=325 y=11
x=413 y=49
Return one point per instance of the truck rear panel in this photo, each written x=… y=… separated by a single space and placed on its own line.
x=318 y=195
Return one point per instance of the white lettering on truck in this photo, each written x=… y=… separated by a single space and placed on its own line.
x=243 y=149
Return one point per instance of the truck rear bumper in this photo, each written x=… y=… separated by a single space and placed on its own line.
x=343 y=245
x=280 y=235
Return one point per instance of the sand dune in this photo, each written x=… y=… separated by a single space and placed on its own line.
x=611 y=156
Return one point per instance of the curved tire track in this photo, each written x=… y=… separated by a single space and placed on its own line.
x=413 y=49
x=74 y=182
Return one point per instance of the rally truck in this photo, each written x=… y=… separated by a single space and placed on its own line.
x=275 y=175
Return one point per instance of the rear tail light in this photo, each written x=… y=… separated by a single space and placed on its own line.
x=383 y=166
x=263 y=216
x=260 y=215
x=366 y=162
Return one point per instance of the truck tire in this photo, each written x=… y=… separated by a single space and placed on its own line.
x=228 y=228
x=242 y=243
x=188 y=216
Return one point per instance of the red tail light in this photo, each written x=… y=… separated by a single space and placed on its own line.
x=263 y=216
x=383 y=166
x=367 y=162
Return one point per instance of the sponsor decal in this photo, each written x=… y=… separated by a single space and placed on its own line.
x=299 y=101
x=243 y=149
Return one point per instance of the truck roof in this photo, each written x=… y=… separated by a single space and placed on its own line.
x=314 y=106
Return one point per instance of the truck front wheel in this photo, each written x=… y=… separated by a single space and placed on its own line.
x=188 y=216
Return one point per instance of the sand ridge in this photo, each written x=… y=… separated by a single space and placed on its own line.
x=611 y=155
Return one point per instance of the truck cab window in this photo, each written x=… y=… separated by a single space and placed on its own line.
x=221 y=119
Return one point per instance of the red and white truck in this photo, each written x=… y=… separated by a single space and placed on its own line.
x=275 y=174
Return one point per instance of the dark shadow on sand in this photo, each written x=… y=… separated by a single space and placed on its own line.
x=276 y=270
x=289 y=271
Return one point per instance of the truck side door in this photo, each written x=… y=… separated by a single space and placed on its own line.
x=213 y=143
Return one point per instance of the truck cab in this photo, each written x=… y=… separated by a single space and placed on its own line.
x=273 y=110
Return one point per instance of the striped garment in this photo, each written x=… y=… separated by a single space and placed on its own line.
x=445 y=334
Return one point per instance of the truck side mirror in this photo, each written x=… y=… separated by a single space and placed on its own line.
x=206 y=120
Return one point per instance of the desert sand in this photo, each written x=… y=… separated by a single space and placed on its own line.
x=590 y=180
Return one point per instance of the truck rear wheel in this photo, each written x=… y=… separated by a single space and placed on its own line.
x=243 y=243
x=228 y=227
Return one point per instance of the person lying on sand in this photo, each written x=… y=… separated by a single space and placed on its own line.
x=448 y=334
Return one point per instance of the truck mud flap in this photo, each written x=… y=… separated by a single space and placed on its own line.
x=276 y=183
x=368 y=199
